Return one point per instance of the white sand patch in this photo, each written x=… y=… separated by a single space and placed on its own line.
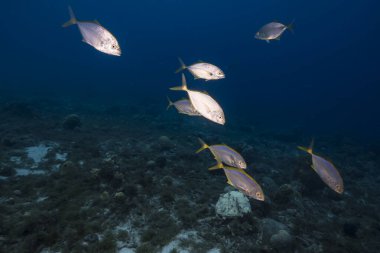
x=61 y=157
x=37 y=153
x=56 y=167
x=214 y=250
x=126 y=250
x=15 y=159
x=27 y=172
x=40 y=199
x=175 y=244
x=133 y=236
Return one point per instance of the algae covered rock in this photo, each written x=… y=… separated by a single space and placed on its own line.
x=281 y=240
x=233 y=204
x=71 y=122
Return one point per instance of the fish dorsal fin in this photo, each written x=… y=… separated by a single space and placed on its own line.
x=200 y=61
x=96 y=22
x=204 y=92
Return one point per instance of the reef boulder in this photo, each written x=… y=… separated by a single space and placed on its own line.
x=232 y=204
x=71 y=122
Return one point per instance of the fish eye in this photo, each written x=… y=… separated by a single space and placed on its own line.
x=258 y=195
x=113 y=46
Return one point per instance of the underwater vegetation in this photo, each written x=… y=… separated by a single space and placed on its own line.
x=145 y=191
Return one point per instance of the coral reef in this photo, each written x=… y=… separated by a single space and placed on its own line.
x=133 y=183
x=232 y=204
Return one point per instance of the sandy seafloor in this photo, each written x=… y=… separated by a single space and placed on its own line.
x=128 y=180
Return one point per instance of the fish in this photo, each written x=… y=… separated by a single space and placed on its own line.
x=225 y=154
x=202 y=70
x=325 y=170
x=184 y=106
x=203 y=103
x=273 y=31
x=240 y=179
x=95 y=35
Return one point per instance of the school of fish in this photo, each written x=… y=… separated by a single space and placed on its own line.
x=200 y=103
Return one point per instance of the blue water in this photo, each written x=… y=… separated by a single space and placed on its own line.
x=323 y=77
x=321 y=81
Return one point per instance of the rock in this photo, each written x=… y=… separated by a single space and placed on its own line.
x=71 y=122
x=284 y=194
x=281 y=240
x=271 y=227
x=91 y=238
x=119 y=196
x=233 y=204
x=17 y=192
x=150 y=164
x=165 y=143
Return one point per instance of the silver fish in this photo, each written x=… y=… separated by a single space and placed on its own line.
x=184 y=106
x=326 y=171
x=203 y=70
x=272 y=31
x=239 y=179
x=203 y=103
x=95 y=35
x=224 y=154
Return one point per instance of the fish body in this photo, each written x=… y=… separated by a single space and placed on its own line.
x=203 y=103
x=239 y=179
x=203 y=70
x=225 y=154
x=326 y=171
x=272 y=31
x=184 y=106
x=95 y=35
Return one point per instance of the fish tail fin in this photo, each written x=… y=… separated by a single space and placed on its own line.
x=219 y=165
x=170 y=103
x=184 y=85
x=308 y=149
x=291 y=26
x=183 y=66
x=204 y=146
x=73 y=19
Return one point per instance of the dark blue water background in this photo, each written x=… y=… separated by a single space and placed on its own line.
x=323 y=78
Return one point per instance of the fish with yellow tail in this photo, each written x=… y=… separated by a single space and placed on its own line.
x=225 y=154
x=203 y=103
x=325 y=170
x=95 y=35
x=240 y=179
